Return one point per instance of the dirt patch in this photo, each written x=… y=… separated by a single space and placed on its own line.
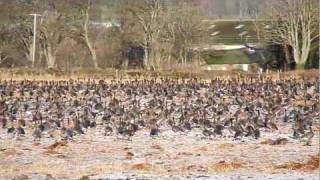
x=50 y=152
x=56 y=145
x=53 y=148
x=204 y=148
x=317 y=129
x=226 y=146
x=10 y=152
x=36 y=144
x=187 y=168
x=184 y=154
x=156 y=146
x=129 y=155
x=303 y=103
x=279 y=141
x=224 y=166
x=311 y=165
x=21 y=177
x=141 y=167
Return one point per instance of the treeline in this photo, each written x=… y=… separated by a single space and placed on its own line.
x=70 y=35
x=159 y=33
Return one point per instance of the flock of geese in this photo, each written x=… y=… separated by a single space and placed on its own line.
x=236 y=108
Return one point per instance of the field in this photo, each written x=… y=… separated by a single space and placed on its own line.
x=170 y=156
x=173 y=153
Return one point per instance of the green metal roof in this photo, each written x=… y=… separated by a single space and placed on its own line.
x=229 y=32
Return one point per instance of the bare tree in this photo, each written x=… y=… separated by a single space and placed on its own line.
x=85 y=34
x=165 y=31
x=295 y=23
x=23 y=34
x=255 y=13
x=17 y=27
x=81 y=28
x=189 y=30
x=148 y=15
x=51 y=35
x=10 y=53
x=3 y=44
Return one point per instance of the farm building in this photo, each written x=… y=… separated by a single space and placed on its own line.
x=227 y=50
x=237 y=42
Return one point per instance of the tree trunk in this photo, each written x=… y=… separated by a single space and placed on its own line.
x=50 y=57
x=181 y=56
x=29 y=56
x=2 y=57
x=305 y=51
x=287 y=57
x=51 y=61
x=93 y=55
x=299 y=58
x=40 y=59
x=87 y=39
x=301 y=55
x=146 y=58
x=169 y=59
x=91 y=48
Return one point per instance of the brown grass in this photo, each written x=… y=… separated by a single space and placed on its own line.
x=279 y=141
x=311 y=165
x=50 y=152
x=9 y=152
x=226 y=146
x=204 y=148
x=53 y=148
x=21 y=177
x=126 y=148
x=56 y=145
x=180 y=73
x=157 y=146
x=317 y=128
x=224 y=166
x=187 y=168
x=141 y=167
x=36 y=144
x=303 y=103
x=129 y=155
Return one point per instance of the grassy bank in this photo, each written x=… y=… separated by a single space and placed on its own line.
x=108 y=74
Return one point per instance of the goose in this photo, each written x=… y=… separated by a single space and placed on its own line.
x=206 y=132
x=20 y=131
x=154 y=131
x=10 y=130
x=309 y=135
x=37 y=134
x=67 y=133
x=108 y=130
x=3 y=122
